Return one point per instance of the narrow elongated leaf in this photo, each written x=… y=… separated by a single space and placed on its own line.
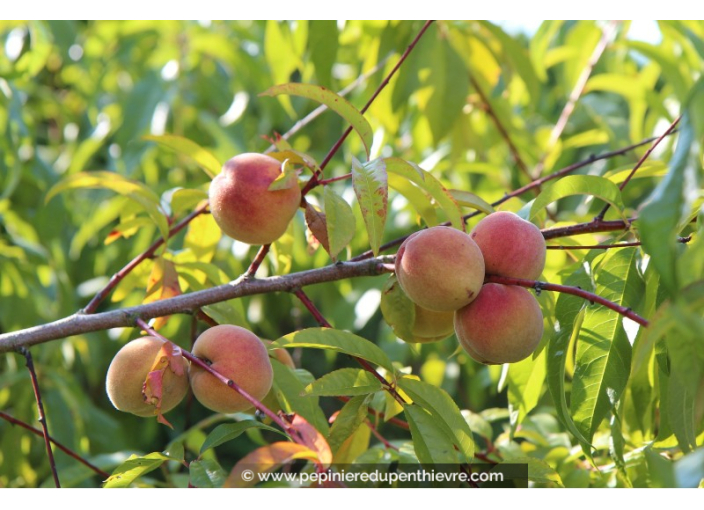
x=340 y=220
x=229 y=431
x=350 y=417
x=430 y=184
x=539 y=471
x=468 y=199
x=568 y=319
x=339 y=341
x=659 y=218
x=133 y=468
x=430 y=440
x=129 y=188
x=335 y=102
x=398 y=310
x=289 y=390
x=346 y=381
x=603 y=361
x=444 y=411
x=318 y=226
x=579 y=185
x=186 y=147
x=372 y=189
x=525 y=386
x=418 y=198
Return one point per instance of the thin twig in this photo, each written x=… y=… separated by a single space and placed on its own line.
x=576 y=94
x=682 y=240
x=60 y=446
x=314 y=180
x=42 y=417
x=364 y=363
x=502 y=130
x=641 y=161
x=379 y=436
x=399 y=423
x=148 y=253
x=596 y=225
x=575 y=291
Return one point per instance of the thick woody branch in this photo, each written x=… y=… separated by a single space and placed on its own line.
x=187 y=303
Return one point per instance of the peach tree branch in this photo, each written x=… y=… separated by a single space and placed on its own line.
x=80 y=323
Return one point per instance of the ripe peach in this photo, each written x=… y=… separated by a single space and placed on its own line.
x=242 y=205
x=503 y=325
x=127 y=374
x=239 y=355
x=511 y=245
x=440 y=269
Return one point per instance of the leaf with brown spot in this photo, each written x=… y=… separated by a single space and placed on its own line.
x=313 y=439
x=371 y=186
x=317 y=225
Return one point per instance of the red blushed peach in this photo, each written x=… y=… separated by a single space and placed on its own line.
x=511 y=246
x=440 y=269
x=503 y=325
x=237 y=354
x=242 y=205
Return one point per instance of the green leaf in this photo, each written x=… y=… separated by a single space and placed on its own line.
x=350 y=417
x=335 y=102
x=207 y=474
x=468 y=199
x=338 y=341
x=569 y=314
x=185 y=199
x=579 y=185
x=340 y=220
x=229 y=431
x=372 y=189
x=323 y=44
x=289 y=389
x=112 y=181
x=346 y=381
x=186 y=147
x=444 y=411
x=287 y=179
x=659 y=219
x=133 y=468
x=419 y=199
x=525 y=386
x=427 y=182
x=430 y=440
x=603 y=360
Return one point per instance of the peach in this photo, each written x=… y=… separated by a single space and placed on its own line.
x=440 y=269
x=281 y=355
x=242 y=205
x=431 y=326
x=128 y=372
x=511 y=246
x=237 y=354
x=503 y=325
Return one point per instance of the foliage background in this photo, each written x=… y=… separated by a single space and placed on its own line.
x=79 y=96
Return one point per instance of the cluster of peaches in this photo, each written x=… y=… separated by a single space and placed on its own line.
x=441 y=270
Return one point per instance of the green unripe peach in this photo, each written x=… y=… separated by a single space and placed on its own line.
x=431 y=326
x=237 y=354
x=511 y=246
x=242 y=205
x=440 y=269
x=128 y=372
x=503 y=325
